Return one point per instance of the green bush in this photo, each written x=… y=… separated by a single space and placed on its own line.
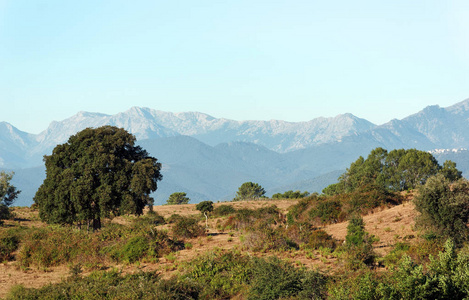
x=188 y=228
x=328 y=211
x=273 y=279
x=359 y=244
x=152 y=218
x=355 y=285
x=320 y=238
x=134 y=249
x=224 y=210
x=246 y=218
x=112 y=285
x=444 y=207
x=174 y=218
x=221 y=274
x=290 y=195
x=445 y=277
x=52 y=246
x=9 y=242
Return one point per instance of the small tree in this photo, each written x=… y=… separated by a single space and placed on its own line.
x=249 y=190
x=359 y=244
x=177 y=199
x=205 y=207
x=8 y=194
x=444 y=207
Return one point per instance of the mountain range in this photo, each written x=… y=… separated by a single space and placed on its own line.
x=209 y=158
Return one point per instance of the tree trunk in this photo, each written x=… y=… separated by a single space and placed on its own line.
x=96 y=224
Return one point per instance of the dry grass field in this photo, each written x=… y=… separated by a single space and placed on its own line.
x=389 y=225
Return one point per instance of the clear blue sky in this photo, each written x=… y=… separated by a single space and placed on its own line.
x=289 y=60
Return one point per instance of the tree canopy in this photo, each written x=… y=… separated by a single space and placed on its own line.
x=397 y=170
x=177 y=198
x=98 y=173
x=205 y=207
x=8 y=194
x=249 y=190
x=444 y=207
x=290 y=195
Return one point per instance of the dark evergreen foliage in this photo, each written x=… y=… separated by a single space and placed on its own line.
x=290 y=195
x=444 y=207
x=97 y=173
x=249 y=191
x=178 y=198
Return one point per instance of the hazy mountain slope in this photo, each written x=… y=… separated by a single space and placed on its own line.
x=14 y=145
x=28 y=181
x=433 y=127
x=461 y=158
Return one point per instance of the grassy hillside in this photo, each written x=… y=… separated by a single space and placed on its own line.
x=165 y=252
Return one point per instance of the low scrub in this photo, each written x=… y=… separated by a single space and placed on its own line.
x=187 y=227
x=9 y=242
x=223 y=210
x=112 y=285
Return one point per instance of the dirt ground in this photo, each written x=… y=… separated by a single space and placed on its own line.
x=389 y=225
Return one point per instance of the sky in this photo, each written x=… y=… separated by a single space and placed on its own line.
x=243 y=60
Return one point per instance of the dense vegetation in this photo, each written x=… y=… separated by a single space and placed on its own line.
x=98 y=173
x=290 y=195
x=398 y=170
x=431 y=262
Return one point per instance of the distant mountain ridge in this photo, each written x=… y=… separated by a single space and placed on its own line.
x=146 y=123
x=210 y=157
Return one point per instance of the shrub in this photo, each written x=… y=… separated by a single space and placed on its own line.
x=274 y=279
x=9 y=242
x=444 y=207
x=362 y=284
x=320 y=238
x=134 y=249
x=112 y=285
x=221 y=274
x=359 y=244
x=328 y=211
x=396 y=254
x=264 y=238
x=445 y=277
x=187 y=228
x=152 y=218
x=224 y=210
x=174 y=218
x=52 y=246
x=290 y=195
x=245 y=218
x=298 y=213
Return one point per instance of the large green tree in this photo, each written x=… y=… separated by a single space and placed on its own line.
x=249 y=191
x=8 y=194
x=397 y=170
x=99 y=172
